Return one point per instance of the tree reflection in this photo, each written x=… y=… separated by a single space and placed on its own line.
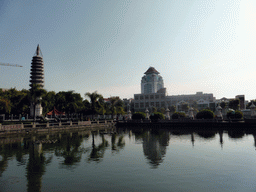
x=3 y=163
x=10 y=150
x=120 y=143
x=206 y=134
x=236 y=134
x=154 y=147
x=97 y=152
x=69 y=148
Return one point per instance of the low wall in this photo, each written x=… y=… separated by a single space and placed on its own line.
x=56 y=125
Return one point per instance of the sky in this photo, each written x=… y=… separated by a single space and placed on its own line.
x=107 y=45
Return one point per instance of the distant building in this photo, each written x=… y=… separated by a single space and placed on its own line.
x=241 y=101
x=151 y=82
x=153 y=94
x=241 y=98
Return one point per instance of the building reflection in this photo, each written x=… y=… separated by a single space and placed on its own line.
x=154 y=147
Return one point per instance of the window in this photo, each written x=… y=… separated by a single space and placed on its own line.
x=157 y=104
x=147 y=104
x=141 y=105
x=162 y=104
x=157 y=96
x=151 y=96
x=141 y=97
x=152 y=104
x=146 y=96
x=148 y=88
x=136 y=97
x=162 y=96
x=136 y=105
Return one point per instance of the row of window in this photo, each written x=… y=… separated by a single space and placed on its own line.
x=150 y=104
x=142 y=97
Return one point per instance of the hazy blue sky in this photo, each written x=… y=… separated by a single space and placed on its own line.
x=107 y=45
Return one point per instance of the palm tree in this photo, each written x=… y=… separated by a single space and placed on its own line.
x=113 y=102
x=35 y=96
x=94 y=98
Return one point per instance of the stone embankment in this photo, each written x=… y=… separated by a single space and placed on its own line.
x=52 y=127
x=194 y=124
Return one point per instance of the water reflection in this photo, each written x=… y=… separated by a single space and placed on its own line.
x=36 y=167
x=237 y=134
x=97 y=151
x=154 y=146
x=69 y=148
x=36 y=153
x=116 y=146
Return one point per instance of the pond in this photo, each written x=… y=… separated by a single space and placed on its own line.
x=130 y=160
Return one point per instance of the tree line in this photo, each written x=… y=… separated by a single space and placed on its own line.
x=17 y=102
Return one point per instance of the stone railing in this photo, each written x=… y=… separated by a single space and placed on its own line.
x=34 y=125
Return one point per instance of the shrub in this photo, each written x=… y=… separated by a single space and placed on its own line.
x=205 y=114
x=178 y=115
x=138 y=115
x=234 y=114
x=156 y=116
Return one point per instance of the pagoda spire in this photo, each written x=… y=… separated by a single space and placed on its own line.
x=37 y=50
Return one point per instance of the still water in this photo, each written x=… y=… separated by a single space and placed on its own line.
x=130 y=160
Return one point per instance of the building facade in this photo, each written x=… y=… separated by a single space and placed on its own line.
x=153 y=94
x=151 y=82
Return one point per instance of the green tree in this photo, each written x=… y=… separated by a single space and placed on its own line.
x=60 y=101
x=162 y=110
x=72 y=101
x=138 y=116
x=18 y=100
x=157 y=116
x=205 y=114
x=184 y=107
x=172 y=108
x=223 y=104
x=178 y=115
x=116 y=106
x=69 y=102
x=154 y=109
x=194 y=104
x=48 y=101
x=234 y=104
x=5 y=106
x=234 y=114
x=94 y=98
